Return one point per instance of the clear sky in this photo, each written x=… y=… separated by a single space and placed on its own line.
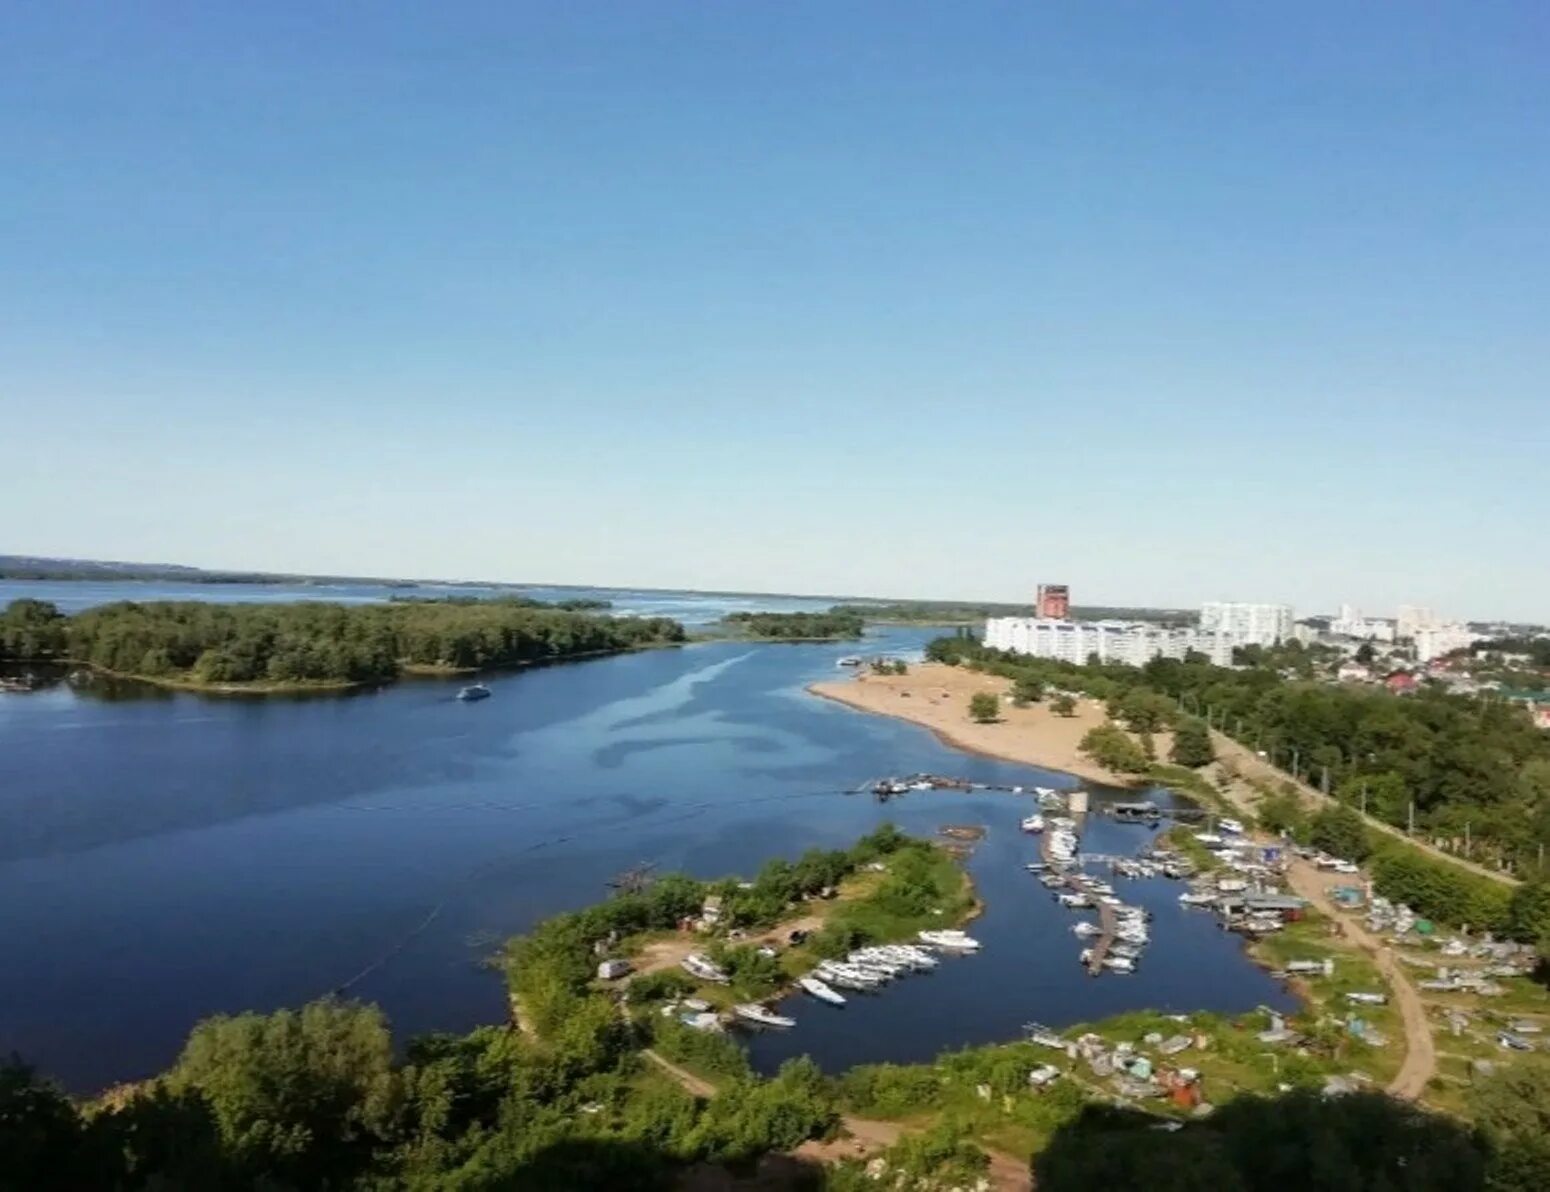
x=1167 y=302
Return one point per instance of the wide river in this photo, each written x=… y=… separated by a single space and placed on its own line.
x=168 y=856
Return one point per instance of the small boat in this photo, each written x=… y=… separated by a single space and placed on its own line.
x=846 y=977
x=821 y=990
x=1119 y=964
x=1085 y=928
x=474 y=691
x=1035 y=866
x=1189 y=898
x=849 y=660
x=951 y=938
x=761 y=1015
x=699 y=966
x=1033 y=823
x=1045 y=792
x=1052 y=881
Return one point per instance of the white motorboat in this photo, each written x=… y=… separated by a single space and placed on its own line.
x=761 y=1015
x=1119 y=964
x=951 y=938
x=846 y=977
x=1075 y=901
x=821 y=990
x=1190 y=898
x=1085 y=928
x=1033 y=823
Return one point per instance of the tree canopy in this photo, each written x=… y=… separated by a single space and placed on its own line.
x=316 y=642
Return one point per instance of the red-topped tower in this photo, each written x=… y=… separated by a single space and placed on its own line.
x=1053 y=602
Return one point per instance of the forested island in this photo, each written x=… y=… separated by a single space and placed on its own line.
x=834 y=625
x=310 y=644
x=1473 y=770
x=595 y=1087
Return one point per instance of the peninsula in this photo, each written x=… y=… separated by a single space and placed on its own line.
x=936 y=695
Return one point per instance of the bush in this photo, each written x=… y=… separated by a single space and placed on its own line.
x=984 y=707
x=1110 y=747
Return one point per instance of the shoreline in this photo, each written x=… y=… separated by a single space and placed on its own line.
x=1024 y=735
x=408 y=670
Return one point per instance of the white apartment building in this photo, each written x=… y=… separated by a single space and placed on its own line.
x=1435 y=640
x=1351 y=623
x=1134 y=643
x=1251 y=624
x=1413 y=618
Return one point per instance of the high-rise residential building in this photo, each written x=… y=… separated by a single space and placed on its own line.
x=1053 y=602
x=1412 y=619
x=1132 y=643
x=1250 y=624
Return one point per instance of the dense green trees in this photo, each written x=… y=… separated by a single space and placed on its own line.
x=1192 y=745
x=31 y=630
x=1340 y=832
x=1353 y=1143
x=1439 y=890
x=1111 y=747
x=984 y=707
x=1027 y=690
x=1063 y=705
x=1463 y=762
x=1512 y=1106
x=833 y=625
x=315 y=642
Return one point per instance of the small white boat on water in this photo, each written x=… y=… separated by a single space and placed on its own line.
x=1085 y=928
x=1033 y=823
x=1119 y=964
x=1075 y=901
x=1189 y=898
x=950 y=938
x=761 y=1015
x=849 y=660
x=821 y=990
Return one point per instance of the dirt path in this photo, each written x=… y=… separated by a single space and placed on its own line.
x=865 y=1135
x=1251 y=765
x=669 y=953
x=1420 y=1063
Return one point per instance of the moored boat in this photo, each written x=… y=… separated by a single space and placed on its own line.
x=821 y=990
x=474 y=691
x=950 y=938
x=761 y=1015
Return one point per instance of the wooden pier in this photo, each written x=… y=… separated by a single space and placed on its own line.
x=1109 y=924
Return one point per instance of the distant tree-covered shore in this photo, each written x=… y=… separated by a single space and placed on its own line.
x=276 y=646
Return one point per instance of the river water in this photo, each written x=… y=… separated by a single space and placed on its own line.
x=167 y=856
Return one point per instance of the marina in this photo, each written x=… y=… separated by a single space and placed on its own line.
x=395 y=840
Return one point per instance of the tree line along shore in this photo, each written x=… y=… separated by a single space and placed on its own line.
x=599 y=1089
x=311 y=644
x=1470 y=776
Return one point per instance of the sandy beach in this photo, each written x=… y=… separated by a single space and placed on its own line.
x=937 y=696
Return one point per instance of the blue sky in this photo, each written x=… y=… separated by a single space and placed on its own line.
x=1170 y=303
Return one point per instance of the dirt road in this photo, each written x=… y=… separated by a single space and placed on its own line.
x=1251 y=765
x=1420 y=1063
x=865 y=1135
